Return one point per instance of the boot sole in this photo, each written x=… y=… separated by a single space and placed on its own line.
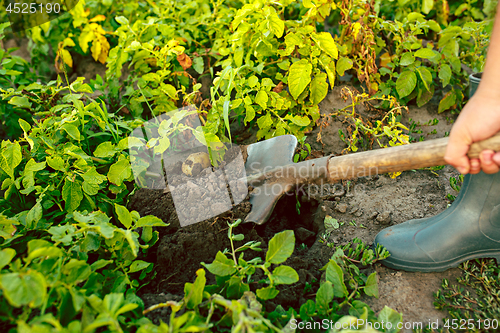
x=439 y=267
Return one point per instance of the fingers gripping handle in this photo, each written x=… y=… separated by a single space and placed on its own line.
x=492 y=143
x=400 y=158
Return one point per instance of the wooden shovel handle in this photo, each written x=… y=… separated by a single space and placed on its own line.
x=400 y=158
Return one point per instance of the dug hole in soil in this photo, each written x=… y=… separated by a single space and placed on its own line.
x=373 y=203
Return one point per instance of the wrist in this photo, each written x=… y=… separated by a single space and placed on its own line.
x=488 y=90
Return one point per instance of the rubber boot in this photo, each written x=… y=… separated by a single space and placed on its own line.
x=468 y=229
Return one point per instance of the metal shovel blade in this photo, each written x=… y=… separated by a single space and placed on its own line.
x=264 y=157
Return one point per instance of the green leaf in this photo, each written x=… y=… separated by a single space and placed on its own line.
x=445 y=74
x=427 y=6
x=236 y=288
x=343 y=65
x=261 y=98
x=335 y=275
x=265 y=122
x=150 y=221
x=225 y=115
x=72 y=131
x=76 y=271
x=42 y=248
x=93 y=177
x=24 y=288
x=170 y=90
x=424 y=96
x=162 y=145
x=139 y=265
x=318 y=88
x=105 y=149
x=193 y=293
x=330 y=223
x=123 y=215
x=221 y=266
x=406 y=83
x=147 y=234
x=56 y=163
x=307 y=309
x=20 y=101
x=101 y=263
x=299 y=77
x=252 y=81
x=326 y=43
x=33 y=166
x=426 y=77
x=20 y=289
x=267 y=293
x=10 y=158
x=299 y=120
x=330 y=71
x=6 y=256
x=90 y=189
x=324 y=296
x=407 y=59
x=62 y=233
x=198 y=65
x=250 y=113
x=132 y=239
x=24 y=125
x=34 y=214
x=122 y=20
x=72 y=194
x=388 y=315
x=371 y=286
x=285 y=275
x=119 y=171
x=425 y=53
x=92 y=242
x=280 y=247
x=276 y=25
x=130 y=142
x=447 y=102
x=433 y=25
x=81 y=87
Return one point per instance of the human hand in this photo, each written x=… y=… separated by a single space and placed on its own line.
x=479 y=120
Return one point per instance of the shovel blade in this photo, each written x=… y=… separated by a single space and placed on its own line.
x=268 y=154
x=265 y=156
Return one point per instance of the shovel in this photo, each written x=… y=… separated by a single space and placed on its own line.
x=271 y=172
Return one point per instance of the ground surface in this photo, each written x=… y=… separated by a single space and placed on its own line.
x=370 y=204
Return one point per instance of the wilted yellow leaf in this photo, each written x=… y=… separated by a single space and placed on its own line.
x=394 y=174
x=100 y=49
x=385 y=59
x=98 y=18
x=184 y=61
x=68 y=42
x=171 y=43
x=96 y=49
x=85 y=38
x=97 y=29
x=66 y=57
x=355 y=29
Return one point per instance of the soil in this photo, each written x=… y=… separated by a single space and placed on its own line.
x=363 y=207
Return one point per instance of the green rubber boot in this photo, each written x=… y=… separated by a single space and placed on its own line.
x=468 y=229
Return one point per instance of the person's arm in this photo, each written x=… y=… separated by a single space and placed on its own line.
x=480 y=118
